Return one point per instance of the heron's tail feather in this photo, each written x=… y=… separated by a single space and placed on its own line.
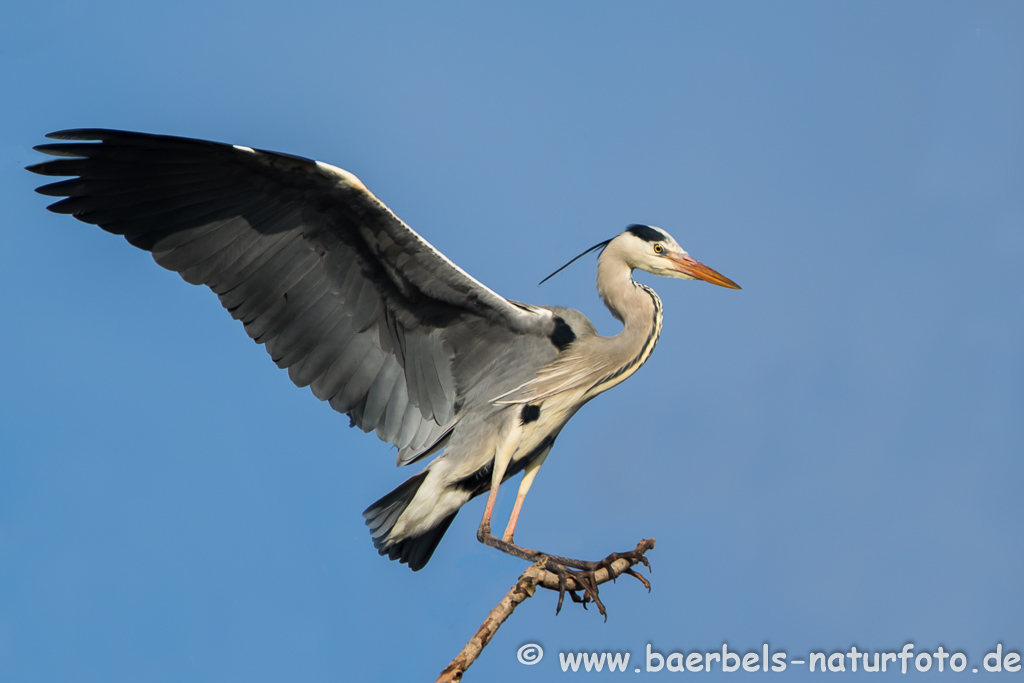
x=414 y=549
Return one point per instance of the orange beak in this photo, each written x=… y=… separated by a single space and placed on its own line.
x=697 y=270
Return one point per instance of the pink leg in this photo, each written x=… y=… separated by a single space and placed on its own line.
x=528 y=476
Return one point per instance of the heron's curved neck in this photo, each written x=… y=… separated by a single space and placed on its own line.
x=636 y=306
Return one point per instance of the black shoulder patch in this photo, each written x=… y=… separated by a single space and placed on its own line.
x=530 y=414
x=646 y=233
x=563 y=334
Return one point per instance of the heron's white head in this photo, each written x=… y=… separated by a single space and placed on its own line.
x=645 y=247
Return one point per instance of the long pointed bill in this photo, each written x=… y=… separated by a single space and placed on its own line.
x=697 y=270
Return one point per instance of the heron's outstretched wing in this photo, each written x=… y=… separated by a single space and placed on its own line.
x=342 y=293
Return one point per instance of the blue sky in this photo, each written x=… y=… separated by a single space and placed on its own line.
x=829 y=457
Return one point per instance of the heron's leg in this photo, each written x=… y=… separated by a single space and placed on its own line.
x=507 y=443
x=502 y=457
x=529 y=474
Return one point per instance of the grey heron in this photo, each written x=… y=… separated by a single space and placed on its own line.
x=376 y=321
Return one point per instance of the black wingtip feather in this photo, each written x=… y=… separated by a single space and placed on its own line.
x=61 y=188
x=79 y=134
x=38 y=169
x=67 y=206
x=65 y=149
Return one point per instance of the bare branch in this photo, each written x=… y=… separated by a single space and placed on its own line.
x=524 y=588
x=537 y=575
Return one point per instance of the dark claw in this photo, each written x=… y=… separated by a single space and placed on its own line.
x=584 y=580
x=645 y=582
x=560 y=571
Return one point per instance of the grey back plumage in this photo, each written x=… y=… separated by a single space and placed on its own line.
x=341 y=292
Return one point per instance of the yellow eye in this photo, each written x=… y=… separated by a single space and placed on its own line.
x=658 y=249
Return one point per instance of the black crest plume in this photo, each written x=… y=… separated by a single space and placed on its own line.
x=599 y=245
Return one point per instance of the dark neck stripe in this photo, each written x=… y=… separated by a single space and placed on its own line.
x=645 y=351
